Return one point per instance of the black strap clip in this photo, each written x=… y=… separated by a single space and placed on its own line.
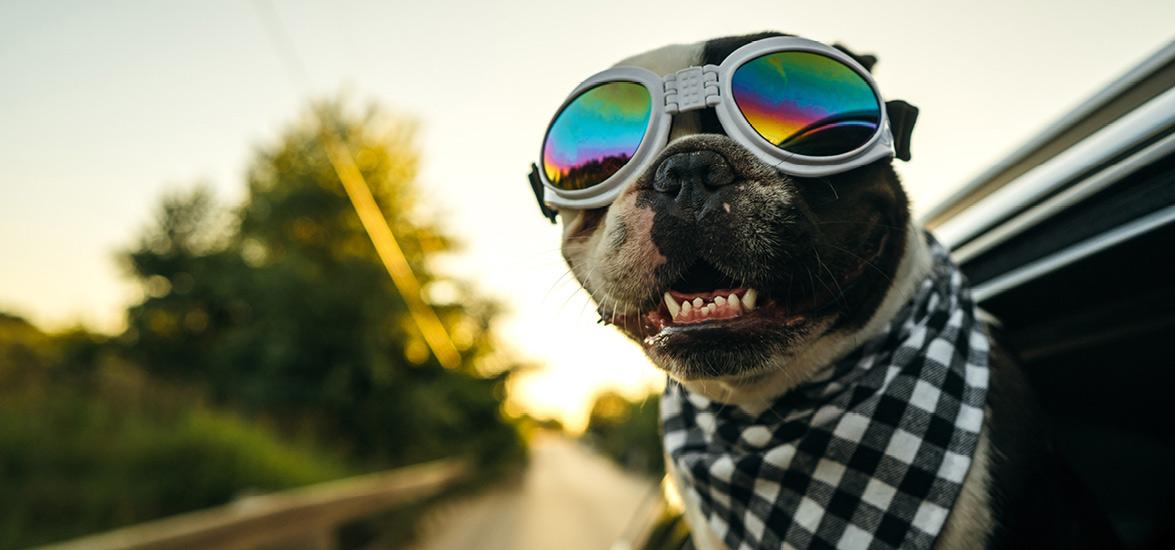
x=536 y=185
x=902 y=117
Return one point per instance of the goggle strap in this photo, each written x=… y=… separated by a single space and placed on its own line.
x=536 y=185
x=902 y=117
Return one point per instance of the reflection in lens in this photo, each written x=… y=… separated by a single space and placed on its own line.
x=806 y=103
x=596 y=134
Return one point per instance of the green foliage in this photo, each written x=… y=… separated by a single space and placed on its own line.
x=269 y=350
x=627 y=431
x=282 y=309
x=87 y=451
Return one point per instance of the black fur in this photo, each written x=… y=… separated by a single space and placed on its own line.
x=1036 y=500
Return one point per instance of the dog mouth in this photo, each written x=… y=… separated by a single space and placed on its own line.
x=704 y=298
x=706 y=304
x=702 y=295
x=699 y=307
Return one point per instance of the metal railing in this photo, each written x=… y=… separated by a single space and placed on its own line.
x=303 y=518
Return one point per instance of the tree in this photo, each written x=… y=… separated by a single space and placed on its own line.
x=282 y=309
x=628 y=431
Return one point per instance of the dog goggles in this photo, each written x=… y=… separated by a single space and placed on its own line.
x=804 y=107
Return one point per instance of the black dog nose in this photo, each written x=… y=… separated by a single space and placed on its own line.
x=692 y=175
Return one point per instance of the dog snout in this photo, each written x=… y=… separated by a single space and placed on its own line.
x=691 y=176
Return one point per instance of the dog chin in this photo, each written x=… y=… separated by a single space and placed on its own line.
x=724 y=345
x=724 y=355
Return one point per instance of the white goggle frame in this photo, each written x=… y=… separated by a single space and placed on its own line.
x=695 y=88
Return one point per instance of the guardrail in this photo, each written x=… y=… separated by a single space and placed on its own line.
x=303 y=518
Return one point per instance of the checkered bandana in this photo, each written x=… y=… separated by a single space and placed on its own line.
x=870 y=455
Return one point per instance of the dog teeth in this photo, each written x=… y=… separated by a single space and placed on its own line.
x=711 y=307
x=749 y=299
x=670 y=303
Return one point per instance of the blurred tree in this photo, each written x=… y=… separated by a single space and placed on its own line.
x=626 y=430
x=88 y=442
x=283 y=309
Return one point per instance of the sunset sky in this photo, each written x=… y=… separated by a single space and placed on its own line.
x=105 y=107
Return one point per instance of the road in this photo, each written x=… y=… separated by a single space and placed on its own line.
x=569 y=499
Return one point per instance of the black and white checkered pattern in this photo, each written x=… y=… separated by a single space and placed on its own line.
x=871 y=455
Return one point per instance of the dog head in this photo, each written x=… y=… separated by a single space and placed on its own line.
x=725 y=269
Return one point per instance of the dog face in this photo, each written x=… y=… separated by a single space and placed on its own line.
x=770 y=265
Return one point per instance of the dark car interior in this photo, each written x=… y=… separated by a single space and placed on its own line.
x=1080 y=272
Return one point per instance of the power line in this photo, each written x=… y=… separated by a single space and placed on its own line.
x=359 y=193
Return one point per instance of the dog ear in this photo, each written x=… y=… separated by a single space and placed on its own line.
x=902 y=117
x=865 y=60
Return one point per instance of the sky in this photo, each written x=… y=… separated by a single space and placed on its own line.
x=105 y=107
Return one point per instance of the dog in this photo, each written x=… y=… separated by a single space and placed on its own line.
x=808 y=271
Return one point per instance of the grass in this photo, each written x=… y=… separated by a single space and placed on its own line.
x=76 y=461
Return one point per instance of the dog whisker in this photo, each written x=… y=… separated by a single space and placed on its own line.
x=835 y=195
x=550 y=289
x=839 y=290
x=864 y=260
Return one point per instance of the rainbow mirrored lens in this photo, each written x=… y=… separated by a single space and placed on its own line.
x=806 y=103
x=596 y=134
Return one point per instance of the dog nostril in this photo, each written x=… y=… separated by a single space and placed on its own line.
x=701 y=170
x=668 y=182
x=719 y=174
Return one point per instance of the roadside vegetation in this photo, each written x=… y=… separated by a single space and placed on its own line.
x=627 y=431
x=269 y=350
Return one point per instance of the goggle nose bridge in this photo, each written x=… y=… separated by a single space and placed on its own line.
x=691 y=88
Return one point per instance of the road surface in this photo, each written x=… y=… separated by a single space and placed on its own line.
x=569 y=499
